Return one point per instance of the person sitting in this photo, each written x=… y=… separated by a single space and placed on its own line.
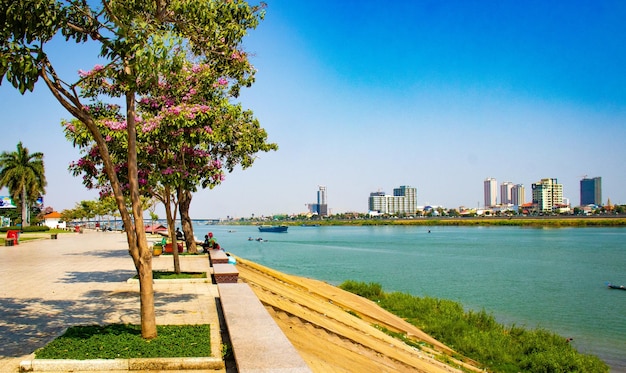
x=179 y=234
x=210 y=243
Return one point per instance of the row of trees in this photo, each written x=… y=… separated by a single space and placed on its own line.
x=176 y=66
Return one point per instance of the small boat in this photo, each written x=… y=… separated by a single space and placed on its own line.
x=619 y=287
x=273 y=228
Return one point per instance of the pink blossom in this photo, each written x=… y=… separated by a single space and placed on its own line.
x=114 y=125
x=70 y=127
x=174 y=110
x=150 y=125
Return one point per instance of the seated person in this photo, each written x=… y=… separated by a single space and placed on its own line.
x=210 y=243
x=179 y=234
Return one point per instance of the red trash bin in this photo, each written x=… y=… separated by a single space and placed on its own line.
x=15 y=235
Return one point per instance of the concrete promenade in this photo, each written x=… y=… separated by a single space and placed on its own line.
x=48 y=285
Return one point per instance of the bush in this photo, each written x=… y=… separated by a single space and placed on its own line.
x=372 y=291
x=32 y=228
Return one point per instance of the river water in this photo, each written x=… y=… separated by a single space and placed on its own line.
x=552 y=278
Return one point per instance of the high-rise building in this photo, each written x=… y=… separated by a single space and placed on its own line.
x=591 y=191
x=378 y=202
x=320 y=207
x=491 y=192
x=403 y=201
x=547 y=194
x=321 y=201
x=506 y=189
x=518 y=195
x=407 y=199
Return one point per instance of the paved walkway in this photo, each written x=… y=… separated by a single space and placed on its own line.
x=47 y=285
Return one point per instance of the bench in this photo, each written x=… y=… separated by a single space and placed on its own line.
x=225 y=273
x=257 y=342
x=53 y=236
x=217 y=256
x=9 y=241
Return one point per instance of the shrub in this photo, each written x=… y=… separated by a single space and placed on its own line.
x=372 y=291
x=32 y=228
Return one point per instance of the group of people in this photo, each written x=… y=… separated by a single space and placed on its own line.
x=208 y=244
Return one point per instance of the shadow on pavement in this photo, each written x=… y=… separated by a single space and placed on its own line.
x=31 y=323
x=100 y=276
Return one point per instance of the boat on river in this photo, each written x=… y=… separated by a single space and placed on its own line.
x=273 y=228
x=619 y=287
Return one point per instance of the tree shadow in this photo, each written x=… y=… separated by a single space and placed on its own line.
x=31 y=323
x=100 y=276
x=116 y=253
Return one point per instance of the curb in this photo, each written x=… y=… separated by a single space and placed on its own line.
x=158 y=364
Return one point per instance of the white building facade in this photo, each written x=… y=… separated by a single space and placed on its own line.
x=547 y=194
x=403 y=201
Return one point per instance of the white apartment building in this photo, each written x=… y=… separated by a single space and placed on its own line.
x=547 y=194
x=403 y=201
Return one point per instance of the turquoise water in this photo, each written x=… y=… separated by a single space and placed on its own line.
x=535 y=277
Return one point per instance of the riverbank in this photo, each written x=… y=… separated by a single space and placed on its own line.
x=523 y=221
x=334 y=330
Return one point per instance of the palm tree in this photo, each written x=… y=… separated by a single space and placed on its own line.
x=23 y=174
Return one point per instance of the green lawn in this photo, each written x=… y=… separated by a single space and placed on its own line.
x=123 y=341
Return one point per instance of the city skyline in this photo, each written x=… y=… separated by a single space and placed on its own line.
x=435 y=95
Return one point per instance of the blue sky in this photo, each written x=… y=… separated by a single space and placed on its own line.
x=364 y=96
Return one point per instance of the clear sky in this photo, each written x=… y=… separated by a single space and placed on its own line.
x=362 y=96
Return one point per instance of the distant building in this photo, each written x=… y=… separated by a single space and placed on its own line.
x=53 y=220
x=321 y=207
x=506 y=189
x=491 y=192
x=518 y=195
x=591 y=191
x=378 y=203
x=403 y=201
x=547 y=194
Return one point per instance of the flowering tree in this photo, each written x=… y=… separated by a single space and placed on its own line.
x=140 y=41
x=192 y=135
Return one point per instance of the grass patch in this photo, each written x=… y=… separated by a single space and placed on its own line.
x=186 y=253
x=124 y=341
x=477 y=335
x=170 y=275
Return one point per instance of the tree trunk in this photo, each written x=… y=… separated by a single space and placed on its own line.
x=25 y=213
x=137 y=241
x=171 y=222
x=144 y=268
x=184 y=200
